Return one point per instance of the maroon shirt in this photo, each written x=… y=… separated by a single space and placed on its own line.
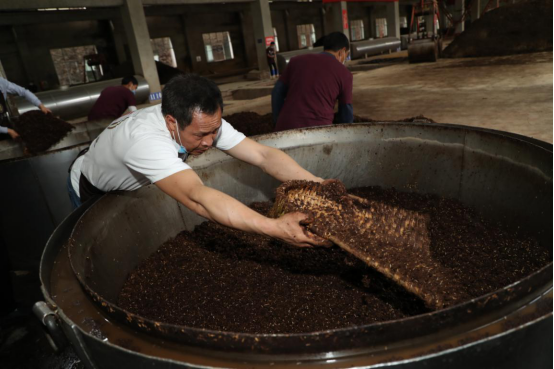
x=314 y=83
x=112 y=103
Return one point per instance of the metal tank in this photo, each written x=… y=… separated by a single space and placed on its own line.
x=358 y=49
x=505 y=177
x=364 y=49
x=76 y=102
x=284 y=57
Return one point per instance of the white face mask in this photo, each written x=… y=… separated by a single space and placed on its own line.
x=183 y=154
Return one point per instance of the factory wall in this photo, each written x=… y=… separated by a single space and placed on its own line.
x=362 y=11
x=32 y=61
x=26 y=45
x=286 y=16
x=186 y=24
x=9 y=56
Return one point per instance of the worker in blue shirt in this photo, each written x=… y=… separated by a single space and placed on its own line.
x=7 y=87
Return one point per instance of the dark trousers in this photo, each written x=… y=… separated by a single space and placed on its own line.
x=75 y=200
x=273 y=67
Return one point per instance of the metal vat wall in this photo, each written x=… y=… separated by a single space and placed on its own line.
x=508 y=179
x=34 y=202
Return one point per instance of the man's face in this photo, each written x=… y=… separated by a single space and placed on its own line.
x=344 y=56
x=131 y=87
x=199 y=135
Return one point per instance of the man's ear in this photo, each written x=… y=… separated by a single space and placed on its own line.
x=170 y=122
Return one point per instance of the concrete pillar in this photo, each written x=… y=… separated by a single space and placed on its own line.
x=336 y=18
x=475 y=10
x=444 y=22
x=118 y=41
x=263 y=28
x=291 y=40
x=138 y=38
x=24 y=54
x=393 y=19
x=372 y=23
x=190 y=59
x=286 y=20
x=457 y=14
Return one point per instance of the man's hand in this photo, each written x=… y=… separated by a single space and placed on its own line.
x=187 y=188
x=289 y=230
x=13 y=134
x=44 y=109
x=330 y=181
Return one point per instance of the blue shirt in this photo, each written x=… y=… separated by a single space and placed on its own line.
x=6 y=87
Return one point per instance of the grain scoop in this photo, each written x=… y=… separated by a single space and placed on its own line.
x=392 y=240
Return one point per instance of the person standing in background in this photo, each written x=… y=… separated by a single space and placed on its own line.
x=114 y=101
x=308 y=89
x=271 y=54
x=7 y=87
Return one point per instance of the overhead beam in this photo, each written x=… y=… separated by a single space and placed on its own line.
x=45 y=4
x=138 y=38
x=181 y=2
x=23 y=18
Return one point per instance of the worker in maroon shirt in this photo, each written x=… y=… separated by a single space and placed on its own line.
x=306 y=93
x=115 y=100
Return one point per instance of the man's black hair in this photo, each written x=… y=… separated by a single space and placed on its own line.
x=128 y=79
x=186 y=93
x=336 y=41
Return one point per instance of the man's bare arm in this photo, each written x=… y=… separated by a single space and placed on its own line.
x=271 y=160
x=187 y=188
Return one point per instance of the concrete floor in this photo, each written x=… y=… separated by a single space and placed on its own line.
x=511 y=93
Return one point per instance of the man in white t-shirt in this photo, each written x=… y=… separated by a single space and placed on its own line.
x=150 y=146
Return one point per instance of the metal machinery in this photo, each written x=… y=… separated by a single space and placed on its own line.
x=359 y=49
x=503 y=176
x=366 y=48
x=427 y=46
x=76 y=102
x=284 y=57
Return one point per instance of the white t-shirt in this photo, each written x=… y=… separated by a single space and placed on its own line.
x=137 y=150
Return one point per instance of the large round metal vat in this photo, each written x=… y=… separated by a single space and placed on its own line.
x=505 y=178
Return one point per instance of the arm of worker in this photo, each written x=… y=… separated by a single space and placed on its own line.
x=271 y=160
x=12 y=88
x=13 y=134
x=278 y=96
x=131 y=102
x=187 y=188
x=130 y=110
x=346 y=112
